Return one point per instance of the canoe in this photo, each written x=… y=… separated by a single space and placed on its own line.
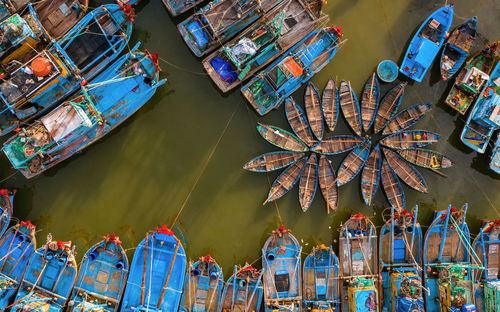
x=369 y=102
x=298 y=122
x=6 y=208
x=392 y=187
x=370 y=176
x=350 y=106
x=272 y=161
x=426 y=43
x=330 y=104
x=410 y=139
x=286 y=180
x=102 y=277
x=282 y=272
x=156 y=274
x=389 y=106
x=353 y=163
x=268 y=89
x=281 y=138
x=495 y=157
x=71 y=127
x=426 y=158
x=406 y=172
x=243 y=291
x=328 y=183
x=19 y=243
x=457 y=48
x=313 y=110
x=308 y=182
x=52 y=269
x=337 y=144
x=177 y=7
x=321 y=280
x=203 y=286
x=406 y=118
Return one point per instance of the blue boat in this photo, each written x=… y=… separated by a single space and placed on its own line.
x=156 y=274
x=353 y=163
x=17 y=245
x=243 y=291
x=495 y=157
x=282 y=272
x=101 y=279
x=321 y=282
x=176 y=7
x=6 y=209
x=48 y=280
x=203 y=286
x=272 y=86
x=426 y=43
x=116 y=94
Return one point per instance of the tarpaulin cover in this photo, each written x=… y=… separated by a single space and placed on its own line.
x=293 y=67
x=409 y=305
x=196 y=30
x=224 y=70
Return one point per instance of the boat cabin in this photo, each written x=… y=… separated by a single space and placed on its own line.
x=488 y=114
x=473 y=80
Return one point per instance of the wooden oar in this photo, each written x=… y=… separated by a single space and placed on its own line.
x=169 y=273
x=144 y=270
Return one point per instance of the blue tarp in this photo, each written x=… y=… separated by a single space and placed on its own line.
x=199 y=35
x=224 y=69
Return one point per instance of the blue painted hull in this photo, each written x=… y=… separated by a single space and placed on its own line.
x=177 y=7
x=6 y=209
x=362 y=152
x=495 y=157
x=243 y=290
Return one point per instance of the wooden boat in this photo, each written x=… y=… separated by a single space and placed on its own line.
x=243 y=291
x=321 y=281
x=389 y=106
x=328 y=183
x=268 y=89
x=457 y=47
x=337 y=144
x=353 y=163
x=350 y=106
x=410 y=139
x=405 y=171
x=48 y=279
x=282 y=272
x=370 y=176
x=426 y=43
x=102 y=277
x=6 y=209
x=495 y=156
x=426 y=158
x=272 y=161
x=19 y=243
x=330 y=104
x=9 y=7
x=156 y=274
x=406 y=118
x=298 y=122
x=177 y=7
x=313 y=110
x=308 y=182
x=262 y=42
x=369 y=102
x=203 y=286
x=88 y=116
x=392 y=187
x=281 y=138
x=400 y=262
x=359 y=265
x=286 y=180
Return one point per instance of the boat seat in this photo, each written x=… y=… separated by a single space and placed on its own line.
x=282 y=281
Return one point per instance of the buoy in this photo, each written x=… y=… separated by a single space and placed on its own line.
x=418 y=136
x=41 y=66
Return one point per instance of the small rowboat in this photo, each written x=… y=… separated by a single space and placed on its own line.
x=298 y=122
x=328 y=183
x=6 y=209
x=371 y=175
x=281 y=138
x=405 y=171
x=313 y=110
x=337 y=144
x=426 y=158
x=272 y=161
x=406 y=118
x=410 y=139
x=308 y=182
x=369 y=102
x=286 y=180
x=243 y=290
x=387 y=71
x=389 y=106
x=350 y=106
x=330 y=104
x=353 y=163
x=392 y=187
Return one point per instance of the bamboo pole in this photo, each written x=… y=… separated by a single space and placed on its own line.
x=143 y=286
x=169 y=273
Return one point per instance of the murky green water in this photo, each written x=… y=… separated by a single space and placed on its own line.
x=183 y=152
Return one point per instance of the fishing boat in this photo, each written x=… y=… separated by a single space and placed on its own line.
x=426 y=158
x=156 y=274
x=6 y=209
x=457 y=47
x=308 y=183
x=350 y=106
x=286 y=180
x=321 y=282
x=101 y=279
x=177 y=7
x=313 y=110
x=400 y=262
x=495 y=157
x=282 y=272
x=262 y=42
x=406 y=172
x=328 y=183
x=410 y=139
x=48 y=279
x=330 y=104
x=269 y=88
x=85 y=118
x=17 y=245
x=370 y=176
x=203 y=286
x=359 y=265
x=369 y=102
x=8 y=8
x=281 y=138
x=353 y=163
x=272 y=161
x=337 y=144
x=389 y=106
x=426 y=43
x=406 y=118
x=297 y=120
x=243 y=291
x=392 y=187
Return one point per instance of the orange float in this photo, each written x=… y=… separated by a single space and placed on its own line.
x=41 y=66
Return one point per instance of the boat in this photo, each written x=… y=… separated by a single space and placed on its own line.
x=484 y=118
x=203 y=286
x=471 y=79
x=156 y=274
x=272 y=161
x=262 y=42
x=286 y=180
x=313 y=110
x=6 y=209
x=426 y=158
x=400 y=262
x=321 y=282
x=389 y=106
x=387 y=71
x=406 y=118
x=308 y=183
x=410 y=139
x=48 y=279
x=328 y=183
x=370 y=176
x=102 y=277
x=9 y=8
x=19 y=243
x=392 y=187
x=282 y=272
x=457 y=48
x=281 y=138
x=495 y=157
x=369 y=102
x=243 y=291
x=177 y=7
x=350 y=106
x=298 y=122
x=406 y=172
x=426 y=43
x=337 y=144
x=353 y=163
x=330 y=104
x=269 y=88
x=359 y=265
x=88 y=116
